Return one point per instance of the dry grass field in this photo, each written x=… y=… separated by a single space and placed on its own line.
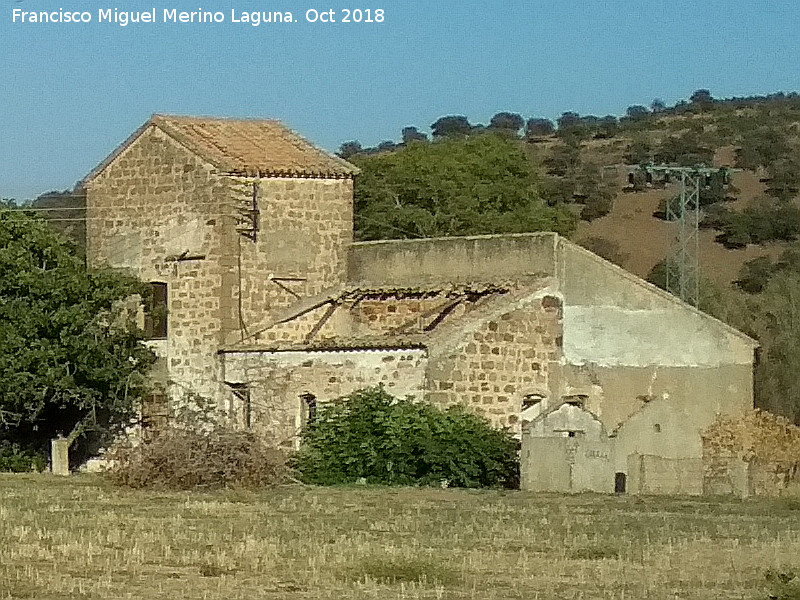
x=82 y=538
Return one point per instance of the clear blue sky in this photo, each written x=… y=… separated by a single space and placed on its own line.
x=71 y=93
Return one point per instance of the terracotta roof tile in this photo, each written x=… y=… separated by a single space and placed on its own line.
x=250 y=147
x=254 y=147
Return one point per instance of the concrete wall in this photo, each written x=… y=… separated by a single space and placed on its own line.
x=460 y=259
x=656 y=475
x=276 y=380
x=567 y=465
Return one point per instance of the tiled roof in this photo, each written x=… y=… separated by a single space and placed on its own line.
x=250 y=147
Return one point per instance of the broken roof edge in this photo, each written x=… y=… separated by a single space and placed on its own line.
x=328 y=345
x=160 y=120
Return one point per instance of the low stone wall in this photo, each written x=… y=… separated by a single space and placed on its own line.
x=732 y=476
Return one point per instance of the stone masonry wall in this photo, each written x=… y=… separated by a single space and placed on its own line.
x=162 y=212
x=276 y=380
x=154 y=202
x=499 y=363
x=306 y=226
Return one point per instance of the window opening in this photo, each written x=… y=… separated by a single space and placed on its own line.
x=155 y=319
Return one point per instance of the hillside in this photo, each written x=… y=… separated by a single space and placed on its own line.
x=581 y=164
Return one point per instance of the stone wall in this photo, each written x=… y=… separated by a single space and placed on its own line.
x=162 y=212
x=496 y=364
x=277 y=379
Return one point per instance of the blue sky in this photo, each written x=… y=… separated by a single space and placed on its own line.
x=71 y=93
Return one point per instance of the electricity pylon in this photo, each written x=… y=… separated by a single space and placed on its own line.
x=683 y=252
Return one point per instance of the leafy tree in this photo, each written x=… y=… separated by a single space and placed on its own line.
x=776 y=324
x=386 y=146
x=473 y=185
x=538 y=127
x=784 y=178
x=702 y=98
x=637 y=112
x=454 y=125
x=639 y=151
x=69 y=352
x=412 y=134
x=762 y=146
x=686 y=149
x=383 y=439
x=755 y=274
x=506 y=121
x=569 y=120
x=348 y=149
x=607 y=127
x=657 y=106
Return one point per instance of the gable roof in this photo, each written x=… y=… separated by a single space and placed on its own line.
x=249 y=147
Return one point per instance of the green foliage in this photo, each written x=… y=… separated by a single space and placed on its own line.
x=372 y=435
x=16 y=460
x=755 y=274
x=759 y=222
x=452 y=125
x=639 y=151
x=775 y=322
x=784 y=178
x=508 y=122
x=538 y=127
x=473 y=185
x=685 y=149
x=70 y=351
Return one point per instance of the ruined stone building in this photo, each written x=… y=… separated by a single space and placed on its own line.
x=244 y=230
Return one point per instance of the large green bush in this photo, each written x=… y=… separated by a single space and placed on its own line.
x=374 y=436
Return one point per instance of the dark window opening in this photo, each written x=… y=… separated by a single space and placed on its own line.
x=619 y=483
x=242 y=392
x=529 y=400
x=155 y=317
x=571 y=433
x=310 y=401
x=657 y=428
x=155 y=411
x=578 y=400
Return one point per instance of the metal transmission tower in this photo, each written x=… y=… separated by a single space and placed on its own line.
x=683 y=253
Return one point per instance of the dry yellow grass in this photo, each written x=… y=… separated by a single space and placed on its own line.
x=82 y=538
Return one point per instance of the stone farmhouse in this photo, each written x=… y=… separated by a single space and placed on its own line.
x=267 y=306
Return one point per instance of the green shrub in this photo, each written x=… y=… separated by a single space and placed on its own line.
x=374 y=436
x=14 y=459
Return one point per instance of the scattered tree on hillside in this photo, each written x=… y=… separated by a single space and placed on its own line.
x=453 y=125
x=71 y=354
x=412 y=134
x=639 y=150
x=657 y=106
x=784 y=178
x=348 y=149
x=702 y=98
x=508 y=122
x=538 y=127
x=636 y=112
